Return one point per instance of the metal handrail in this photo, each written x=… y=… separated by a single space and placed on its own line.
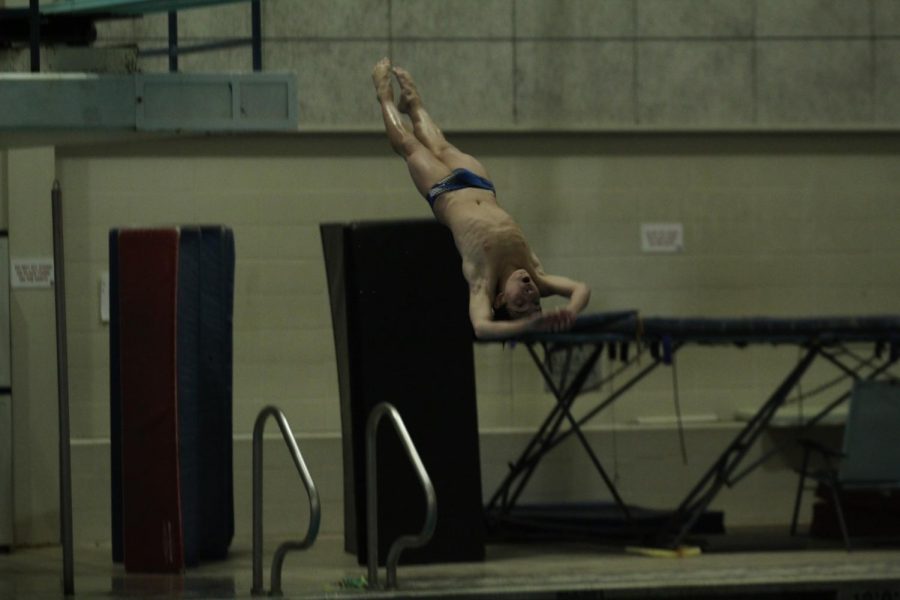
x=405 y=541
x=314 y=508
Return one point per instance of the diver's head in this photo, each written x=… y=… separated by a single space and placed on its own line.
x=519 y=298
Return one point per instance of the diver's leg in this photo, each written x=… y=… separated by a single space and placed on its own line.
x=427 y=131
x=424 y=167
x=393 y=121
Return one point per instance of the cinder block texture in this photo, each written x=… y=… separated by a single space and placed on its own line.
x=887 y=17
x=695 y=18
x=819 y=82
x=465 y=85
x=813 y=18
x=887 y=81
x=573 y=84
x=574 y=18
x=567 y=64
x=687 y=82
x=451 y=20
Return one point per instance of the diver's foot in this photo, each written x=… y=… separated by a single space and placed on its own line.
x=409 y=95
x=381 y=77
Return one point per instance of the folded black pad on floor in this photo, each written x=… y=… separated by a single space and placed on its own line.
x=171 y=294
x=402 y=335
x=589 y=520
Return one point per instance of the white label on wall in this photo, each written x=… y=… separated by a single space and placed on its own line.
x=31 y=272
x=104 y=297
x=662 y=237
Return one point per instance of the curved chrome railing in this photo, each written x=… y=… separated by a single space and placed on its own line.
x=314 y=508
x=406 y=541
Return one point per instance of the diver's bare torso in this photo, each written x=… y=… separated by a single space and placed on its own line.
x=506 y=280
x=487 y=238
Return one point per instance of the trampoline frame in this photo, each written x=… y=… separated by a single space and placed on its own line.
x=824 y=339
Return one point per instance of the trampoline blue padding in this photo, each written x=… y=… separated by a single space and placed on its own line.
x=630 y=326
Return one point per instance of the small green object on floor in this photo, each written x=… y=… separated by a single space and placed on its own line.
x=354 y=583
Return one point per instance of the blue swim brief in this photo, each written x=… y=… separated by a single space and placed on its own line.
x=457 y=180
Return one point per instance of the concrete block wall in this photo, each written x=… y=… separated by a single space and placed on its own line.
x=774 y=225
x=570 y=64
x=767 y=128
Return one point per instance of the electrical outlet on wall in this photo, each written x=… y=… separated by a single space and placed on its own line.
x=662 y=237
x=104 y=297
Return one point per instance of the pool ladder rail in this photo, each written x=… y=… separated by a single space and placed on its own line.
x=400 y=544
x=315 y=513
x=380 y=411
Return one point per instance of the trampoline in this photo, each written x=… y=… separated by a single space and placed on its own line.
x=644 y=344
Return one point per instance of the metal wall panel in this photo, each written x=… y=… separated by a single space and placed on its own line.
x=152 y=102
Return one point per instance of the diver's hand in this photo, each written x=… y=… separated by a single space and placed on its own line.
x=560 y=319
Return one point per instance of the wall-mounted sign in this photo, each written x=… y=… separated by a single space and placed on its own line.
x=31 y=272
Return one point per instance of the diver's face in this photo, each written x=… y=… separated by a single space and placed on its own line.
x=522 y=296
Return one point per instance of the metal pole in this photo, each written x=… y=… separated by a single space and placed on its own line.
x=34 y=34
x=173 y=42
x=258 y=589
x=372 y=497
x=256 y=34
x=62 y=367
x=406 y=541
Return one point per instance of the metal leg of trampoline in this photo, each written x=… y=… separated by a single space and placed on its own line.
x=801 y=483
x=821 y=414
x=839 y=509
x=566 y=402
x=523 y=468
x=548 y=437
x=703 y=493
